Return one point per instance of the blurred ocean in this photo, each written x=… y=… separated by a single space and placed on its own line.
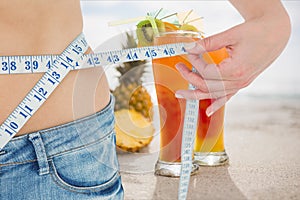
x=281 y=79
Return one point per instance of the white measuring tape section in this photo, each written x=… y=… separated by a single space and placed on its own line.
x=40 y=64
x=188 y=137
x=56 y=67
x=42 y=90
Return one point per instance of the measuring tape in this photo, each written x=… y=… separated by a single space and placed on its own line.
x=42 y=90
x=188 y=137
x=56 y=67
x=40 y=64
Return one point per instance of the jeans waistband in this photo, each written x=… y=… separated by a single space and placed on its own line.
x=62 y=138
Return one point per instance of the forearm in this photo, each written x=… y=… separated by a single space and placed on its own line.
x=271 y=14
x=250 y=9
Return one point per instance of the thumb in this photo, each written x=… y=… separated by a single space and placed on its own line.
x=217 y=41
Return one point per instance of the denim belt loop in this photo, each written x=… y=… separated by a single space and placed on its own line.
x=41 y=156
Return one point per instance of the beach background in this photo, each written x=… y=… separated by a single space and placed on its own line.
x=281 y=78
x=262 y=121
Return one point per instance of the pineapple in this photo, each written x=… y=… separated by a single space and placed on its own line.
x=131 y=95
x=133 y=130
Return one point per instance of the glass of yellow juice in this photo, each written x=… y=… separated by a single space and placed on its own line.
x=209 y=147
x=171 y=109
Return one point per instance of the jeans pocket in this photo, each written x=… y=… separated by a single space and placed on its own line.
x=92 y=169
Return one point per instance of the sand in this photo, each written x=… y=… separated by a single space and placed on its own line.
x=262 y=139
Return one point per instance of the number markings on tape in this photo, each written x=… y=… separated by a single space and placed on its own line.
x=57 y=67
x=39 y=64
x=42 y=90
x=188 y=136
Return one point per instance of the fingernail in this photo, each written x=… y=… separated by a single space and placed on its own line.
x=179 y=96
x=209 y=112
x=178 y=67
x=189 y=45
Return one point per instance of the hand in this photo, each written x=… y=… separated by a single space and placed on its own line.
x=252 y=46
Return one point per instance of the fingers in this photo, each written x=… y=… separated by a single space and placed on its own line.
x=204 y=85
x=191 y=77
x=219 y=82
x=198 y=56
x=192 y=94
x=222 y=71
x=211 y=43
x=220 y=90
x=194 y=47
x=229 y=69
x=220 y=98
x=199 y=95
x=217 y=104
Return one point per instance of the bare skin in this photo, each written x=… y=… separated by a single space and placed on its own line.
x=32 y=27
x=252 y=46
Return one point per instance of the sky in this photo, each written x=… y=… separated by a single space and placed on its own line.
x=281 y=78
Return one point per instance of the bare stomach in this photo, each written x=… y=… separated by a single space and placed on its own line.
x=82 y=92
x=45 y=27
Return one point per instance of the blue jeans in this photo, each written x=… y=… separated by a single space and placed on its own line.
x=76 y=161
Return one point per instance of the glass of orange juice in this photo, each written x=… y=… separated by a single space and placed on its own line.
x=171 y=109
x=209 y=147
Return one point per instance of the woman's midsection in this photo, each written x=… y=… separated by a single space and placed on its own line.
x=47 y=28
x=81 y=93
